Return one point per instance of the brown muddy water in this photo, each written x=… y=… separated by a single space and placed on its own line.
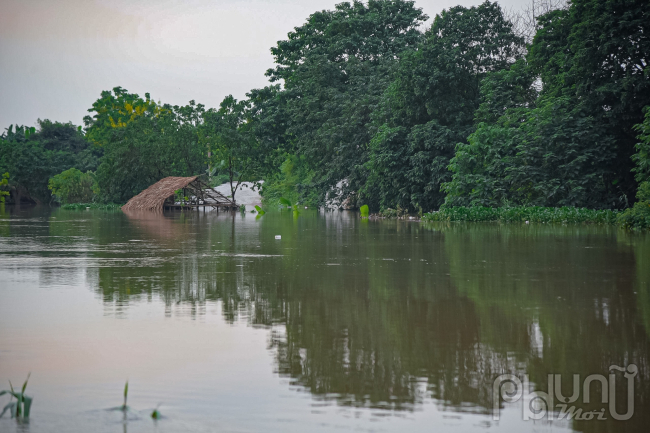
x=342 y=325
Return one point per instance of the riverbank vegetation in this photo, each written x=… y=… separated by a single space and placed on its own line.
x=541 y=110
x=532 y=214
x=92 y=205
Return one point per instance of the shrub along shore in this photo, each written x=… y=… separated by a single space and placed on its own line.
x=82 y=206
x=537 y=214
x=631 y=219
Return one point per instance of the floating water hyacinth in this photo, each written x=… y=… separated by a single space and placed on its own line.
x=525 y=214
x=22 y=406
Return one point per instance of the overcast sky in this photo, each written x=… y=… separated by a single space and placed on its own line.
x=56 y=56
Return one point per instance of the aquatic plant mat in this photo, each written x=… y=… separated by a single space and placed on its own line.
x=194 y=193
x=524 y=214
x=84 y=206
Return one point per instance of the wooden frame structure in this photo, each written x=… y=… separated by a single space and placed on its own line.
x=194 y=194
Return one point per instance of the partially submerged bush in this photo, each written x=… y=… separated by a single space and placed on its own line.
x=84 y=206
x=393 y=213
x=74 y=186
x=638 y=216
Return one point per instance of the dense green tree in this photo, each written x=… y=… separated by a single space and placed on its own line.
x=268 y=118
x=285 y=173
x=32 y=156
x=642 y=155
x=229 y=138
x=74 y=186
x=572 y=144
x=431 y=104
x=598 y=52
x=552 y=155
x=335 y=68
x=639 y=215
x=149 y=148
x=115 y=110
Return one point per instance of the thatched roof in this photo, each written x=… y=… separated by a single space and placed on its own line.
x=154 y=197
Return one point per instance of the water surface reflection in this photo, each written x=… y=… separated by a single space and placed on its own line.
x=385 y=315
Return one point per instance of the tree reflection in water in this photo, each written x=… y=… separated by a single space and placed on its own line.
x=386 y=314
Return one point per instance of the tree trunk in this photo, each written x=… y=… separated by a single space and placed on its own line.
x=17 y=196
x=230 y=171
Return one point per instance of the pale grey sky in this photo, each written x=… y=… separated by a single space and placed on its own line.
x=56 y=56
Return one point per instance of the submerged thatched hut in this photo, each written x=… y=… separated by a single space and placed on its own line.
x=195 y=194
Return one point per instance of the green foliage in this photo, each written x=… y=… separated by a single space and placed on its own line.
x=115 y=110
x=259 y=210
x=149 y=148
x=93 y=205
x=34 y=156
x=552 y=155
x=638 y=217
x=393 y=213
x=571 y=145
x=230 y=142
x=268 y=119
x=4 y=183
x=462 y=114
x=365 y=211
x=335 y=68
x=285 y=202
x=596 y=52
x=293 y=181
x=22 y=406
x=642 y=155
x=534 y=214
x=74 y=186
x=431 y=104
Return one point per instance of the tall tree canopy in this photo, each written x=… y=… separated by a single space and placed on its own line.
x=232 y=147
x=573 y=144
x=598 y=53
x=151 y=146
x=33 y=155
x=431 y=104
x=115 y=110
x=335 y=68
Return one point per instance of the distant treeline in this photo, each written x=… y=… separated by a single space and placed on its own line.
x=547 y=107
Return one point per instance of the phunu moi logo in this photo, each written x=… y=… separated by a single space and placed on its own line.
x=537 y=405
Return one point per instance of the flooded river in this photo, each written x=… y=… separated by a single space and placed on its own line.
x=341 y=325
